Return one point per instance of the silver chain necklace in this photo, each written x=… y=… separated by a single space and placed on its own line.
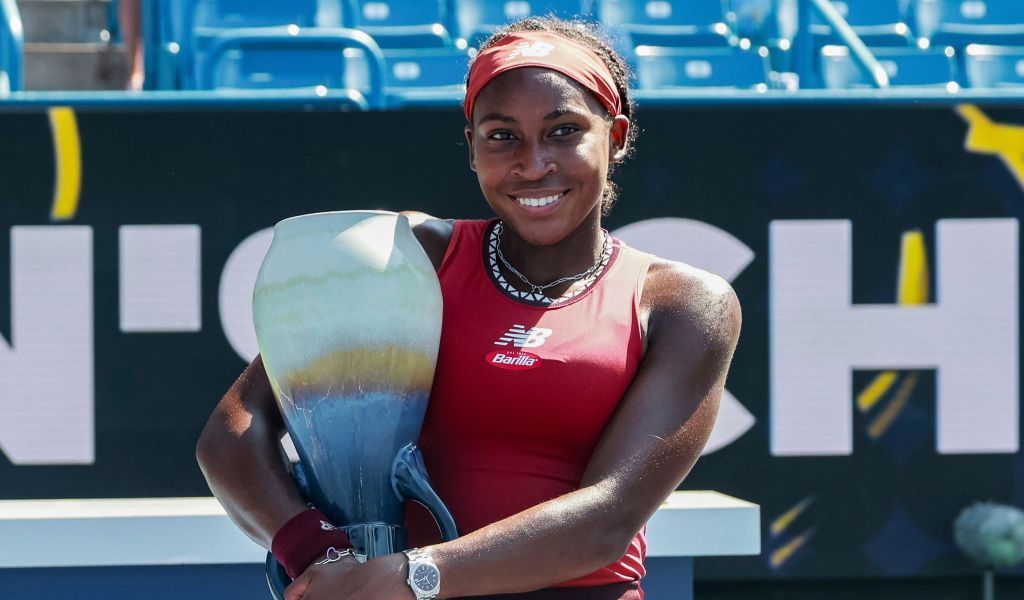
x=539 y=289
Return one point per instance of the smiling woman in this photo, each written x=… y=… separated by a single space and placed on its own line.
x=577 y=379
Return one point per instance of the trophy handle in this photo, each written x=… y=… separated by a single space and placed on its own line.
x=410 y=482
x=277 y=579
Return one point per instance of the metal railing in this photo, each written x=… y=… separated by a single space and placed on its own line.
x=804 y=47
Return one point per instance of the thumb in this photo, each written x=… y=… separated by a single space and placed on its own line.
x=297 y=590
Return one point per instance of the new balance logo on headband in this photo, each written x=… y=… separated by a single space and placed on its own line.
x=525 y=49
x=521 y=337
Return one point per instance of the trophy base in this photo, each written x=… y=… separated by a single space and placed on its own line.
x=376 y=539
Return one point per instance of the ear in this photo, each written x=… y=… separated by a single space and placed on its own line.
x=618 y=137
x=469 y=144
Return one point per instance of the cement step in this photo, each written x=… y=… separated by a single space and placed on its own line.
x=67 y=66
x=65 y=20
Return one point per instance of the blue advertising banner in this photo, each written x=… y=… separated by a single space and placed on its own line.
x=875 y=250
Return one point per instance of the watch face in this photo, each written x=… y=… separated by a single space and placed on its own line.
x=425 y=577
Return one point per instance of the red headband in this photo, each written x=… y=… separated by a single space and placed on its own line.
x=550 y=51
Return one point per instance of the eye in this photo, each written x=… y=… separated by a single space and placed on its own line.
x=563 y=130
x=500 y=135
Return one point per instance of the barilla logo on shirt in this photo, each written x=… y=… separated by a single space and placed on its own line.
x=514 y=360
x=518 y=336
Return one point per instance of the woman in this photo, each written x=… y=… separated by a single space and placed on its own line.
x=551 y=468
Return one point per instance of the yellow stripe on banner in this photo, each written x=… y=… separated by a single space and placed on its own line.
x=786 y=519
x=878 y=387
x=899 y=401
x=784 y=553
x=985 y=136
x=913 y=279
x=67 y=154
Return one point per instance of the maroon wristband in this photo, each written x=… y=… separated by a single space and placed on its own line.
x=305 y=538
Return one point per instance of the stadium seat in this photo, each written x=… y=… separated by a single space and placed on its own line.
x=994 y=66
x=192 y=27
x=765 y=21
x=428 y=76
x=906 y=67
x=674 y=68
x=700 y=23
x=289 y=58
x=962 y=22
x=876 y=22
x=11 y=47
x=477 y=19
x=401 y=23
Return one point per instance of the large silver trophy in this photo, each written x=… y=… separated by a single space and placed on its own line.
x=347 y=311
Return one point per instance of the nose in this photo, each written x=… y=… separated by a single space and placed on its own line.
x=533 y=160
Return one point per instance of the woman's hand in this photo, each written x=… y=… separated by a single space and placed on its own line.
x=383 y=578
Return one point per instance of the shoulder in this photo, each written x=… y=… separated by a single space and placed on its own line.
x=432 y=233
x=687 y=304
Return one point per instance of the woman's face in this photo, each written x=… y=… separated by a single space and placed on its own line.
x=541 y=145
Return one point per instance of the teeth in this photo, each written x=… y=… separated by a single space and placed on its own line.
x=539 y=201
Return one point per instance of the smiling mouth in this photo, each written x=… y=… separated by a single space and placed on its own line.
x=538 y=202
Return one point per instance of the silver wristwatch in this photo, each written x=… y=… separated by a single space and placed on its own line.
x=424 y=577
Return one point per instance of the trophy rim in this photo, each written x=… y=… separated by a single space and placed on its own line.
x=368 y=212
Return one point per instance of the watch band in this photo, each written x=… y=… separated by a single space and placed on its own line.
x=424 y=577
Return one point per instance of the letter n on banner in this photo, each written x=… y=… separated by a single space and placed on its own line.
x=969 y=335
x=46 y=372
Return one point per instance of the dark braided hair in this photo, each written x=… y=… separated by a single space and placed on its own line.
x=589 y=35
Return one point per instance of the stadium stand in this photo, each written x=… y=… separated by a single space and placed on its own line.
x=906 y=67
x=421 y=46
x=724 y=68
x=11 y=47
x=994 y=66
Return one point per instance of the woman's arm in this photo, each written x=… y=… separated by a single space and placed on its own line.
x=240 y=454
x=647 y=449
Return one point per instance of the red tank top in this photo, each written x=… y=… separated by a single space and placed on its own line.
x=522 y=393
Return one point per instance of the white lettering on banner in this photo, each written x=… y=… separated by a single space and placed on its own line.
x=970 y=335
x=716 y=251
x=235 y=295
x=46 y=372
x=159 y=273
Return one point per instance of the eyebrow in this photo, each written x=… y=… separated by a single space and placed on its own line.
x=558 y=112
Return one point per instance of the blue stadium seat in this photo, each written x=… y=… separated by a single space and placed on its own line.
x=700 y=23
x=962 y=22
x=11 y=47
x=289 y=58
x=906 y=67
x=673 y=68
x=876 y=22
x=765 y=21
x=428 y=76
x=994 y=66
x=401 y=23
x=477 y=19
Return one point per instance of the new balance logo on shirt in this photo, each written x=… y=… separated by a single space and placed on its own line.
x=518 y=336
